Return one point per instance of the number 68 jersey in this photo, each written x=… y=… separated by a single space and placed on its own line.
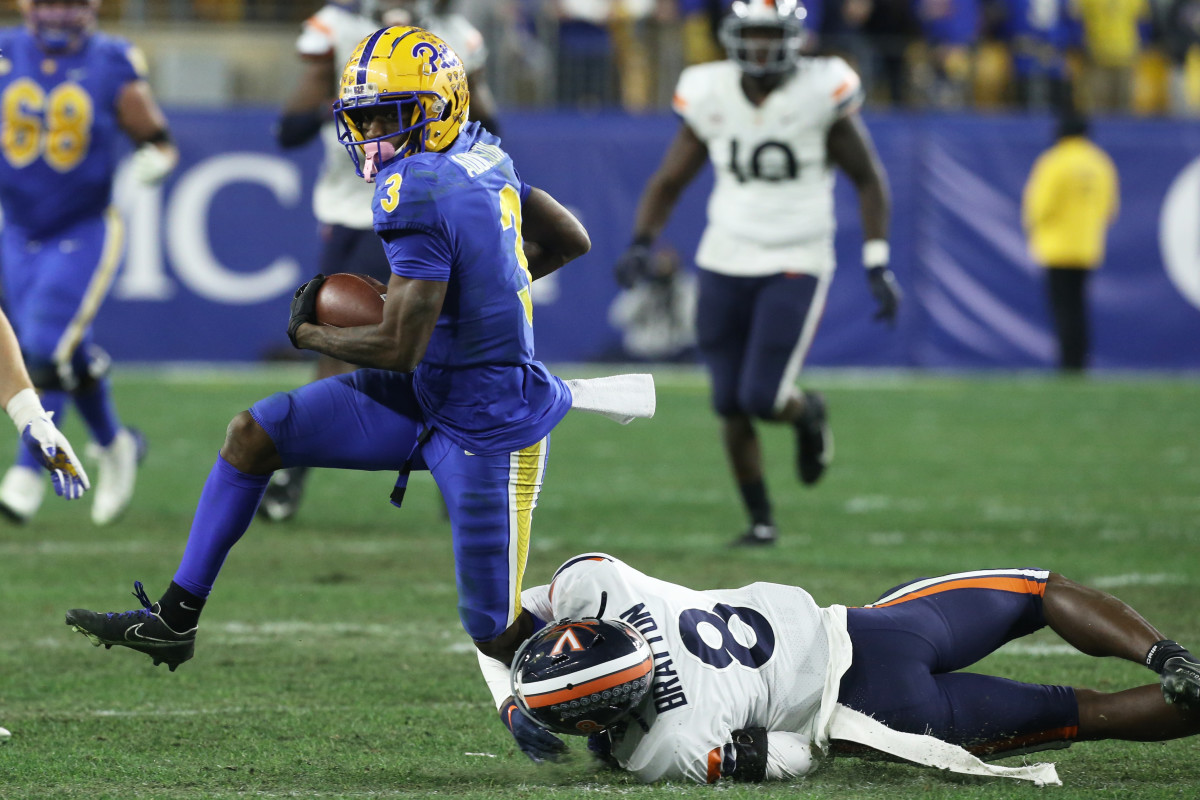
x=58 y=149
x=763 y=655
x=771 y=207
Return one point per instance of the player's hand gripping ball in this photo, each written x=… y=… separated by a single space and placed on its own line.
x=348 y=300
x=343 y=300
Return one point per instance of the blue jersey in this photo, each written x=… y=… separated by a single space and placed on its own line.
x=60 y=133
x=455 y=216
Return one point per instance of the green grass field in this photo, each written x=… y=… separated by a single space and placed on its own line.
x=330 y=662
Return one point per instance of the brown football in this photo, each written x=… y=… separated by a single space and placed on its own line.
x=347 y=300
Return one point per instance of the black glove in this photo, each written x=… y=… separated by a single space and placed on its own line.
x=304 y=306
x=634 y=264
x=750 y=744
x=540 y=745
x=886 y=292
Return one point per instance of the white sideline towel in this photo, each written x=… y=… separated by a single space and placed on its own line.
x=854 y=726
x=623 y=398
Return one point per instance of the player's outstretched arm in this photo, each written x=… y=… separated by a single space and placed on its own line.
x=552 y=234
x=850 y=147
x=683 y=160
x=143 y=121
x=34 y=425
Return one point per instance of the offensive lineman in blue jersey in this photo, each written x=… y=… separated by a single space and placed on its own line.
x=69 y=95
x=454 y=386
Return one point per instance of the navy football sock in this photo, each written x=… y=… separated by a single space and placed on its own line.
x=54 y=402
x=754 y=497
x=226 y=508
x=96 y=407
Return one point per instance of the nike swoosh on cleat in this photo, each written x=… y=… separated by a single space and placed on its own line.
x=186 y=607
x=135 y=634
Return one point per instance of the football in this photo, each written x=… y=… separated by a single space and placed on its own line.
x=347 y=300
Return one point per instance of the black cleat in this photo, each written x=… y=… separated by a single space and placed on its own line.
x=141 y=629
x=1180 y=681
x=756 y=536
x=283 y=495
x=814 y=439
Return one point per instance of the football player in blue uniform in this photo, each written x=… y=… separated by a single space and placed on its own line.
x=342 y=202
x=69 y=95
x=450 y=384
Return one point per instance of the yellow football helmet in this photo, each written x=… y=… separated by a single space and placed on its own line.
x=405 y=74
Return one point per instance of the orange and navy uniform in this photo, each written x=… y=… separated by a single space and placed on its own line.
x=909 y=644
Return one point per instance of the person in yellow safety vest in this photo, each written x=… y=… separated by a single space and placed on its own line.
x=1070 y=199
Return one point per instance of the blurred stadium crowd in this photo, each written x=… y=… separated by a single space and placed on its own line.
x=1107 y=56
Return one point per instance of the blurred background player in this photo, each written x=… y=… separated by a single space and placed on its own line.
x=741 y=682
x=772 y=130
x=68 y=92
x=1070 y=200
x=342 y=202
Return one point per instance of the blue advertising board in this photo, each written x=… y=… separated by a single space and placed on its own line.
x=215 y=253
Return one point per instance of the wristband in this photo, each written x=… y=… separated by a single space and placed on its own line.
x=643 y=240
x=24 y=407
x=876 y=253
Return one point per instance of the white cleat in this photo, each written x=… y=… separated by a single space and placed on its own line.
x=118 y=465
x=21 y=493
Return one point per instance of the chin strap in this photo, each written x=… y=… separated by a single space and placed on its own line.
x=376 y=154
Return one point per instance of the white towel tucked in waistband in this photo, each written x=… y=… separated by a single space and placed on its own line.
x=623 y=398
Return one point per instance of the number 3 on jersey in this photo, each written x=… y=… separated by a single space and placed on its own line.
x=510 y=217
x=57 y=126
x=391 y=197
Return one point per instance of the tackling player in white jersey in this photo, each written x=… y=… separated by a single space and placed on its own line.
x=755 y=683
x=774 y=124
x=341 y=201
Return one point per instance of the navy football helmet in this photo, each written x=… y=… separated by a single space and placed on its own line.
x=581 y=676
x=764 y=37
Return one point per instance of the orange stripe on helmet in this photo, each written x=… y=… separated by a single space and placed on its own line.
x=1002 y=584
x=591 y=687
x=714 y=765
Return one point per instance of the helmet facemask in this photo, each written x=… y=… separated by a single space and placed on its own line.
x=405 y=116
x=764 y=39
x=60 y=26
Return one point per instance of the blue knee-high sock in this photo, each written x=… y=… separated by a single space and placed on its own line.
x=226 y=508
x=55 y=402
x=96 y=407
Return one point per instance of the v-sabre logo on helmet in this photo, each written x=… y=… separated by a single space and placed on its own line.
x=567 y=639
x=581 y=676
